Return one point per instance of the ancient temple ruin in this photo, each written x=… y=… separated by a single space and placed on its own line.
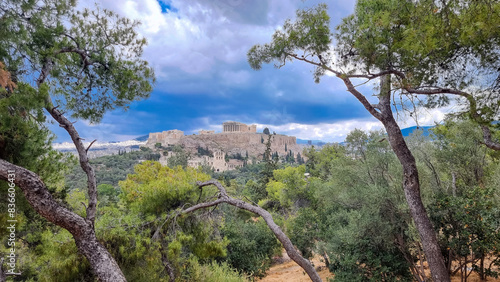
x=238 y=127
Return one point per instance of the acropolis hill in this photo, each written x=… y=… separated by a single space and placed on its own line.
x=235 y=138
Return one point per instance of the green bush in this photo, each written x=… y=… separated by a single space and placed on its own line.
x=251 y=246
x=212 y=272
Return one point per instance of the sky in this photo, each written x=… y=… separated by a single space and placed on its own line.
x=198 y=51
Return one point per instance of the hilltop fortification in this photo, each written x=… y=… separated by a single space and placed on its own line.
x=236 y=138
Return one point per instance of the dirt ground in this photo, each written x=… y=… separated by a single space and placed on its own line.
x=289 y=271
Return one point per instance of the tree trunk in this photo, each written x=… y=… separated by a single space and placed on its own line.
x=411 y=186
x=102 y=263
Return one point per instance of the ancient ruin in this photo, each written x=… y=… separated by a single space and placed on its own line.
x=236 y=139
x=238 y=127
x=165 y=138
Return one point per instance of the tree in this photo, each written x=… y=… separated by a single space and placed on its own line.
x=369 y=34
x=270 y=163
x=266 y=131
x=223 y=197
x=85 y=62
x=179 y=157
x=300 y=161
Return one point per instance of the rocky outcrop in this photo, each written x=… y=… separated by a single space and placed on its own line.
x=230 y=143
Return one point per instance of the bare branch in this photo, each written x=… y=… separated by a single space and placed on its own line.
x=87 y=150
x=82 y=152
x=287 y=244
x=474 y=114
x=204 y=205
x=350 y=87
x=488 y=141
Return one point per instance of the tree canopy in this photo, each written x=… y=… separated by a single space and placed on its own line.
x=58 y=59
x=430 y=48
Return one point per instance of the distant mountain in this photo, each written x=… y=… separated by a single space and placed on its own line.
x=113 y=147
x=409 y=130
x=142 y=138
x=102 y=148
x=305 y=142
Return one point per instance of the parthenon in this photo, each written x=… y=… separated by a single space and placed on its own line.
x=238 y=127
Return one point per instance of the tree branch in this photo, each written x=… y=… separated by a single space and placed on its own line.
x=287 y=244
x=40 y=198
x=83 y=157
x=488 y=141
x=204 y=205
x=75 y=137
x=350 y=87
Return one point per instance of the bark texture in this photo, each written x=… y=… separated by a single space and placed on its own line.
x=411 y=186
x=39 y=197
x=102 y=263
x=383 y=112
x=287 y=244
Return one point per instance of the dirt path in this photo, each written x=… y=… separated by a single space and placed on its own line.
x=289 y=271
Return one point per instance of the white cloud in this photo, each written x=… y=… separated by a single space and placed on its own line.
x=423 y=116
x=328 y=132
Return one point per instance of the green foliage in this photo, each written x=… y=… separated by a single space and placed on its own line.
x=303 y=230
x=290 y=187
x=469 y=227
x=266 y=131
x=310 y=32
x=204 y=152
x=319 y=164
x=251 y=246
x=109 y=169
x=94 y=54
x=355 y=213
x=155 y=188
x=149 y=196
x=269 y=163
x=69 y=265
x=212 y=272
x=179 y=157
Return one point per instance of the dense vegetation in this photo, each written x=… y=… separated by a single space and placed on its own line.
x=110 y=169
x=349 y=209
x=375 y=208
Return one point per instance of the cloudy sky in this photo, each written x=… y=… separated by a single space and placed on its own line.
x=198 y=50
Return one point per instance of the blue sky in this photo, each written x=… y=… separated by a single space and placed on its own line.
x=198 y=50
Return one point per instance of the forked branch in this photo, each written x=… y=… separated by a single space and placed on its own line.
x=287 y=244
x=75 y=137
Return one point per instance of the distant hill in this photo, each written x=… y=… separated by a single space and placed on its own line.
x=142 y=138
x=409 y=130
x=305 y=142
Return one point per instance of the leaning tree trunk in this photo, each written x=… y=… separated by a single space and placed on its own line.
x=411 y=186
x=39 y=197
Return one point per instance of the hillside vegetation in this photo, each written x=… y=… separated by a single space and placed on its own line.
x=344 y=205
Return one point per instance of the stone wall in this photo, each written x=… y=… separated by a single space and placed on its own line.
x=171 y=137
x=231 y=143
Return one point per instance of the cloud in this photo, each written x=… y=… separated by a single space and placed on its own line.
x=198 y=49
x=328 y=132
